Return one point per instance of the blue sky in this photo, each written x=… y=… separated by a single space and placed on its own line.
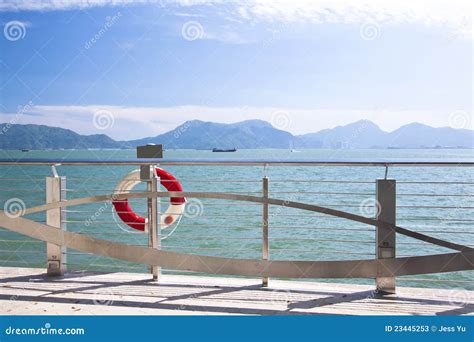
x=131 y=71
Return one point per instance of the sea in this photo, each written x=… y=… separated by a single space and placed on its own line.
x=435 y=200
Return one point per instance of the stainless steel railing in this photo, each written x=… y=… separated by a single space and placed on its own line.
x=425 y=204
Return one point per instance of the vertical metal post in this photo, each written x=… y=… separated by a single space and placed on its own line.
x=56 y=255
x=154 y=226
x=147 y=174
x=265 y=245
x=386 y=238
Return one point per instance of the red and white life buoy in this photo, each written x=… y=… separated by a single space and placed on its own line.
x=125 y=212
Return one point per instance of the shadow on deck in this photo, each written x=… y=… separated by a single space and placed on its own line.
x=31 y=292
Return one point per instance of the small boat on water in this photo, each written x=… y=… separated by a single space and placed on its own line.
x=292 y=150
x=224 y=150
x=25 y=150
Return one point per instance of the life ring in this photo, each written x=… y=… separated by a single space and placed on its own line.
x=125 y=212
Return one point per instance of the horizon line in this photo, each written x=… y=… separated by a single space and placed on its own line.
x=237 y=122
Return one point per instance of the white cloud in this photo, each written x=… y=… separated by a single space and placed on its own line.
x=139 y=122
x=456 y=14
x=453 y=15
x=359 y=10
x=228 y=37
x=57 y=5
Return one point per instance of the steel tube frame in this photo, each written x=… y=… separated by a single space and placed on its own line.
x=236 y=162
x=56 y=254
x=386 y=204
x=153 y=226
x=265 y=224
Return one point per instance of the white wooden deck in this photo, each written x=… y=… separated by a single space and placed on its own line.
x=25 y=291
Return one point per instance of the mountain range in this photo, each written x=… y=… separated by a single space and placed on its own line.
x=39 y=137
x=196 y=134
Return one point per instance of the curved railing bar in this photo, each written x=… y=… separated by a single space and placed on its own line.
x=272 y=201
x=246 y=267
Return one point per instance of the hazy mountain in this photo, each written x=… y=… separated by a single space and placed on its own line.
x=416 y=134
x=207 y=135
x=43 y=137
x=360 y=134
x=198 y=134
x=366 y=134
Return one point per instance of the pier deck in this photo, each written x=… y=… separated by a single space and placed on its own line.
x=26 y=291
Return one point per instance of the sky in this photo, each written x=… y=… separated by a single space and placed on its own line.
x=131 y=70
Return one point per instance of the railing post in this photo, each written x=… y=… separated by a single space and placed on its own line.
x=385 y=237
x=56 y=255
x=154 y=226
x=148 y=174
x=265 y=245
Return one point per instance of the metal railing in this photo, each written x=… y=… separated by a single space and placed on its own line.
x=418 y=200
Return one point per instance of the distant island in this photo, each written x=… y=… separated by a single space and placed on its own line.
x=250 y=134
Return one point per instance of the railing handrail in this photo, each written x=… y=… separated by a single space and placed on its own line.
x=237 y=162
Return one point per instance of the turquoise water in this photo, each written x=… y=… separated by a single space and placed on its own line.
x=233 y=229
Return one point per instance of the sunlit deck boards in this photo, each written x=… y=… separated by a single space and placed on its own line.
x=26 y=291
